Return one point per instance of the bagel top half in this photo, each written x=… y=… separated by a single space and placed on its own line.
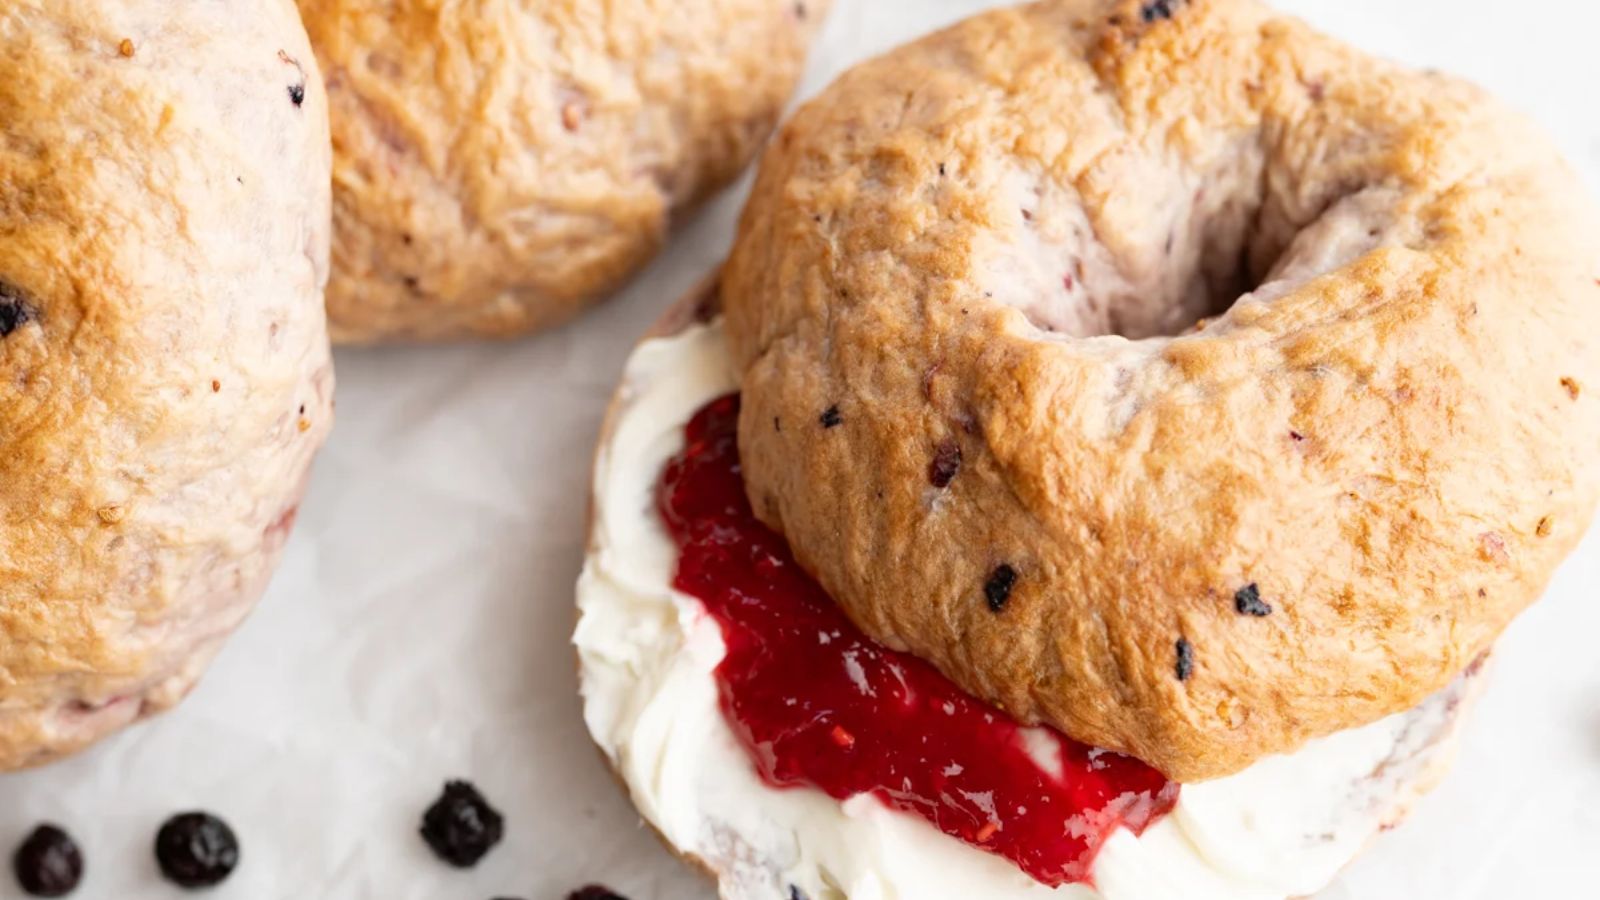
x=1168 y=372
x=498 y=166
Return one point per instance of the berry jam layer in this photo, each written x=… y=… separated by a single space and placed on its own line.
x=818 y=703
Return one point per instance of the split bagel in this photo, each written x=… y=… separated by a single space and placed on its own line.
x=1169 y=373
x=648 y=656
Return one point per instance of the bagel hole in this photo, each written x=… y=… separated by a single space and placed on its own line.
x=1170 y=260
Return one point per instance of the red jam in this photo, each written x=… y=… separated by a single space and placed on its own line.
x=818 y=703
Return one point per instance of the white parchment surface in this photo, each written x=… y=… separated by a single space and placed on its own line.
x=418 y=629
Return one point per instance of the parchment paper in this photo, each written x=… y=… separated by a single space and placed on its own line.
x=418 y=627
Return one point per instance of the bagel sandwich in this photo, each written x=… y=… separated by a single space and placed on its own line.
x=1101 y=469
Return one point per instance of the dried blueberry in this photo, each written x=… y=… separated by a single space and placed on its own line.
x=1249 y=603
x=997 y=589
x=595 y=892
x=196 y=849
x=1158 y=9
x=946 y=463
x=48 y=863
x=461 y=826
x=14 y=309
x=1185 y=666
x=830 y=417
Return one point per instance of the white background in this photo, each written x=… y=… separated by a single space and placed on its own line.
x=418 y=628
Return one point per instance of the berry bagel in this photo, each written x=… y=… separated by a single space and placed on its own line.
x=499 y=166
x=681 y=712
x=1169 y=373
x=164 y=370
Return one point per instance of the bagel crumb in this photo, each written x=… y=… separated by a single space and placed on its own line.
x=777 y=424
x=997 y=590
x=1249 y=603
x=830 y=417
x=1573 y=388
x=571 y=116
x=126 y=48
x=1546 y=525
x=1185 y=664
x=111 y=514
x=216 y=386
x=946 y=463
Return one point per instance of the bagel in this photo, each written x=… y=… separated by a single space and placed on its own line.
x=649 y=655
x=1169 y=373
x=498 y=166
x=164 y=368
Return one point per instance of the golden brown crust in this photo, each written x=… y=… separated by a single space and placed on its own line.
x=499 y=166
x=164 y=372
x=1380 y=438
x=1420 y=759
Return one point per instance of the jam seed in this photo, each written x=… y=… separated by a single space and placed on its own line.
x=841 y=737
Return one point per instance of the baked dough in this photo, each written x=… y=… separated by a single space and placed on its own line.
x=644 y=661
x=980 y=402
x=499 y=165
x=164 y=373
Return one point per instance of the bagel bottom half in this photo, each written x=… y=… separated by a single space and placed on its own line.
x=1283 y=827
